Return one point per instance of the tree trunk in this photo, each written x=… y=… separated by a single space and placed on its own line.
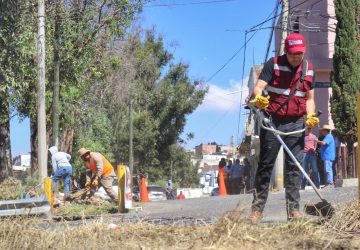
x=5 y=147
x=66 y=140
x=34 y=145
x=56 y=87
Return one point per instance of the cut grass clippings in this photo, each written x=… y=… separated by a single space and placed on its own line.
x=75 y=209
x=230 y=232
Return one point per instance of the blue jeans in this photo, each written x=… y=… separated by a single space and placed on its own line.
x=329 y=171
x=310 y=159
x=63 y=172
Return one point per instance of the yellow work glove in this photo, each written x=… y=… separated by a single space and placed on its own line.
x=87 y=184
x=261 y=102
x=95 y=183
x=311 y=120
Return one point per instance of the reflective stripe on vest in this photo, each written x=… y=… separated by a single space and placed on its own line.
x=284 y=91
x=287 y=69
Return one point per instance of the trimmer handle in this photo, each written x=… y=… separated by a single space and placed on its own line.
x=318 y=113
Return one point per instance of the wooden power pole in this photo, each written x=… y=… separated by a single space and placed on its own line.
x=41 y=115
x=279 y=163
x=284 y=25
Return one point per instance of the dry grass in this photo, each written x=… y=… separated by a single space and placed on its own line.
x=75 y=209
x=10 y=189
x=231 y=232
x=347 y=219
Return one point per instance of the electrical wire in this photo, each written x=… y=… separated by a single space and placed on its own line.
x=252 y=28
x=272 y=31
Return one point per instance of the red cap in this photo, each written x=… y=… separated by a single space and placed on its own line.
x=295 y=43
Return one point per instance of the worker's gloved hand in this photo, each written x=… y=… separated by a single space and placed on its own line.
x=95 y=183
x=312 y=120
x=261 y=102
x=87 y=184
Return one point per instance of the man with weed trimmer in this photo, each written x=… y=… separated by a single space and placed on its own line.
x=288 y=80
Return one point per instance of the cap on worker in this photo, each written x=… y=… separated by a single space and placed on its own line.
x=83 y=151
x=295 y=43
x=326 y=127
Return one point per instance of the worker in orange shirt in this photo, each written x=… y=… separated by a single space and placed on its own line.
x=99 y=171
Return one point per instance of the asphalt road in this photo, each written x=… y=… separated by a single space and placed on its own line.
x=212 y=208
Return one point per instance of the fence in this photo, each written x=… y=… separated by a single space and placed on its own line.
x=347 y=163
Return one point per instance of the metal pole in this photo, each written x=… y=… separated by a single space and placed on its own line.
x=131 y=148
x=358 y=136
x=171 y=171
x=279 y=163
x=41 y=116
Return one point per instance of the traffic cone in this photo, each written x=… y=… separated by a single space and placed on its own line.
x=222 y=187
x=144 y=196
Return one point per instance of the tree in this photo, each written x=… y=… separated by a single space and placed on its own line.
x=346 y=73
x=84 y=33
x=161 y=101
x=11 y=71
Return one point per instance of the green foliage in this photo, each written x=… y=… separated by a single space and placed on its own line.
x=346 y=74
x=94 y=133
x=184 y=171
x=161 y=101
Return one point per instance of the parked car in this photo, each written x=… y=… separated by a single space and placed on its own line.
x=215 y=192
x=156 y=193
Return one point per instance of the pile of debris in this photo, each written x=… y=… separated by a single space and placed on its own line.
x=346 y=219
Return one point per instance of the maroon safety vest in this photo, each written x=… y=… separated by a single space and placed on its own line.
x=283 y=83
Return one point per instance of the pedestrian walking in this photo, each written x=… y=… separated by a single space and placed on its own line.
x=247 y=174
x=221 y=168
x=62 y=169
x=227 y=177
x=310 y=159
x=289 y=81
x=237 y=173
x=337 y=148
x=327 y=151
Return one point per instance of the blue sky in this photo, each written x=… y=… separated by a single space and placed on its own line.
x=205 y=37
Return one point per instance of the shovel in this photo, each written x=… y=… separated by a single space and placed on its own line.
x=77 y=194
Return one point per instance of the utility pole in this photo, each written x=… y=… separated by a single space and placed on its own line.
x=284 y=25
x=131 y=147
x=41 y=115
x=279 y=163
x=232 y=147
x=56 y=87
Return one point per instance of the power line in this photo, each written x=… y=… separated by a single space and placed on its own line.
x=272 y=30
x=254 y=28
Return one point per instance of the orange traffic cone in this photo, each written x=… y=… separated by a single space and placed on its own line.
x=222 y=187
x=144 y=196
